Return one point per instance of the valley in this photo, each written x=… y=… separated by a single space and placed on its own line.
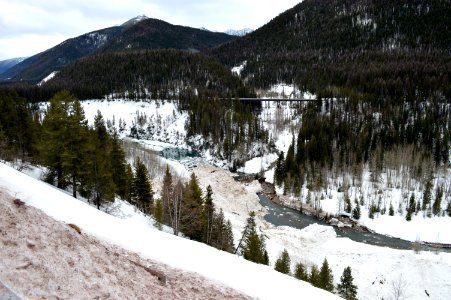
x=310 y=157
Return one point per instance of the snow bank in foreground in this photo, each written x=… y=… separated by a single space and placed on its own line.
x=37 y=253
x=255 y=280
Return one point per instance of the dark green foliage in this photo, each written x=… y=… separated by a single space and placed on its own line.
x=427 y=195
x=142 y=188
x=326 y=278
x=16 y=125
x=314 y=276
x=192 y=207
x=99 y=178
x=372 y=211
x=448 y=209
x=128 y=183
x=221 y=233
x=76 y=140
x=161 y=72
x=348 y=206
x=167 y=195
x=118 y=165
x=252 y=246
x=283 y=263
x=300 y=272
x=279 y=172
x=412 y=204
x=316 y=45
x=356 y=211
x=54 y=129
x=391 y=210
x=418 y=207
x=207 y=216
x=158 y=213
x=409 y=215
x=346 y=287
x=437 y=207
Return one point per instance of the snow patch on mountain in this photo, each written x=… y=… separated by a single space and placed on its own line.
x=47 y=78
x=241 y=32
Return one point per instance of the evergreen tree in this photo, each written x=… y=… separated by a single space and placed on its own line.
x=54 y=130
x=348 y=206
x=391 y=210
x=252 y=245
x=356 y=211
x=279 y=172
x=326 y=278
x=346 y=287
x=283 y=263
x=221 y=233
x=158 y=213
x=300 y=272
x=207 y=216
x=409 y=215
x=142 y=188
x=118 y=165
x=167 y=196
x=437 y=207
x=129 y=179
x=19 y=129
x=76 y=139
x=99 y=180
x=314 y=276
x=418 y=207
x=427 y=195
x=191 y=218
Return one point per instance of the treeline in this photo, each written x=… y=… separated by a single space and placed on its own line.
x=149 y=74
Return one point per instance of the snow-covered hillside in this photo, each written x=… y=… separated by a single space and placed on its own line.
x=255 y=280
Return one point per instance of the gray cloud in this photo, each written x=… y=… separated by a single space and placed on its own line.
x=30 y=26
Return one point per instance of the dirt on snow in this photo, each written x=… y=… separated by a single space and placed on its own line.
x=41 y=258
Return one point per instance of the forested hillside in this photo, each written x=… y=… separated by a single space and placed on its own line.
x=156 y=74
x=391 y=48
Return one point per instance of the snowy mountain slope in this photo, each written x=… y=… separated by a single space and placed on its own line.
x=255 y=280
x=41 y=258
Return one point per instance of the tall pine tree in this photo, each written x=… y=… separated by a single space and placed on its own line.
x=300 y=272
x=192 y=205
x=326 y=278
x=346 y=287
x=252 y=245
x=283 y=263
x=142 y=188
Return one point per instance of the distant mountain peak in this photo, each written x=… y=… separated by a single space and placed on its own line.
x=135 y=20
x=241 y=32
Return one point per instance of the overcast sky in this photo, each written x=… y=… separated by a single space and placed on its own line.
x=28 y=27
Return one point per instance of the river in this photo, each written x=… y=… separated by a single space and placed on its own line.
x=279 y=215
